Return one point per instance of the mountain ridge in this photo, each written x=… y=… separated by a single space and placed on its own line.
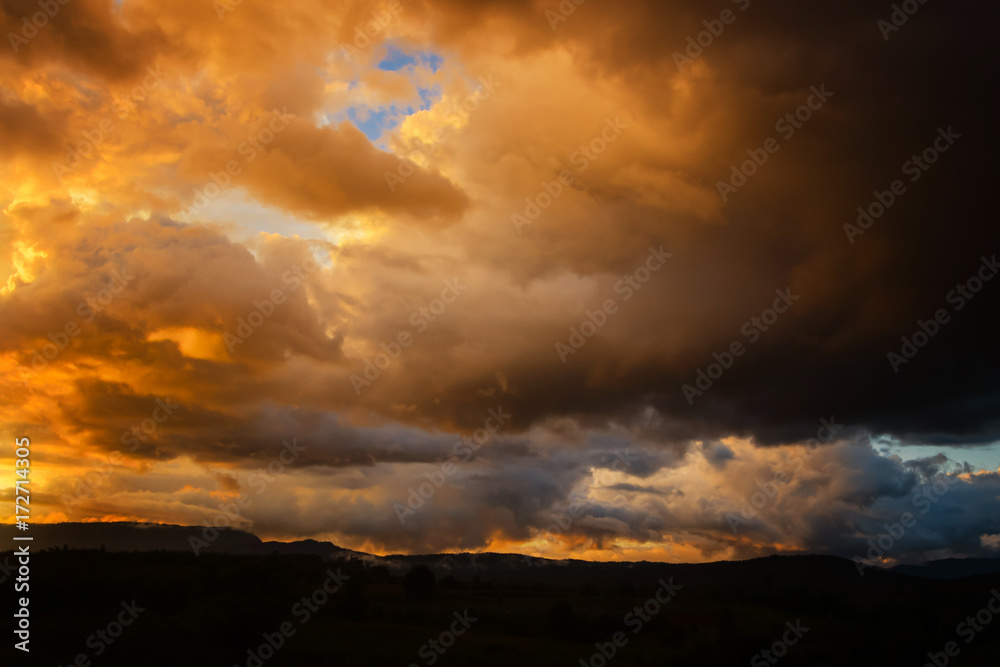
x=130 y=536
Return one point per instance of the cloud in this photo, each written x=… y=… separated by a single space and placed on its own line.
x=254 y=307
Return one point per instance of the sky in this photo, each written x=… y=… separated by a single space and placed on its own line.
x=645 y=281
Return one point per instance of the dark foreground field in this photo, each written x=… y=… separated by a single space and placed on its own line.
x=94 y=607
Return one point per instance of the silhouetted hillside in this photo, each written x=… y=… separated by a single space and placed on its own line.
x=952 y=568
x=131 y=536
x=343 y=608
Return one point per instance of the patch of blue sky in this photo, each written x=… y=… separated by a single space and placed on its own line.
x=375 y=122
x=981 y=456
x=396 y=59
x=428 y=96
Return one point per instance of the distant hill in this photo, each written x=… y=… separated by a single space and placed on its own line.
x=141 y=537
x=952 y=568
x=132 y=536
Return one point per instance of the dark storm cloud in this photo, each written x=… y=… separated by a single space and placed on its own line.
x=605 y=436
x=82 y=33
x=786 y=226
